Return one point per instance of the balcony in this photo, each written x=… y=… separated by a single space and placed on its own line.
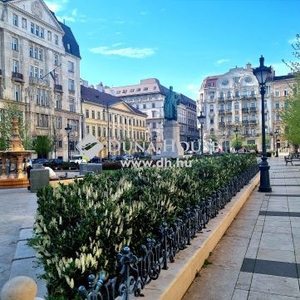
x=253 y=109
x=58 y=88
x=252 y=121
x=38 y=81
x=221 y=112
x=245 y=122
x=221 y=124
x=15 y=76
x=245 y=110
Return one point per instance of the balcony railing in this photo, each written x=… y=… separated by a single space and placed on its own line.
x=38 y=81
x=58 y=88
x=17 y=76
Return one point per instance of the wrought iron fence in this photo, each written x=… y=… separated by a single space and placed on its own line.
x=135 y=272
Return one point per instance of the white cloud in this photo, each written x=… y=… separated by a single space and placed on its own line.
x=221 y=61
x=59 y=6
x=126 y=52
x=56 y=5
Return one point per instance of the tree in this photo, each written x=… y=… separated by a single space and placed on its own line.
x=291 y=113
x=42 y=145
x=295 y=65
x=6 y=115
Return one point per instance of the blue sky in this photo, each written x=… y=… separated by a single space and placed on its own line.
x=179 y=42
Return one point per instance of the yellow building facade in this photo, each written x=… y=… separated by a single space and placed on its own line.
x=113 y=122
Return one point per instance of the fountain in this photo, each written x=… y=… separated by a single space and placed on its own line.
x=15 y=157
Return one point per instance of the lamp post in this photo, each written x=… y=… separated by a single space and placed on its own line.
x=201 y=120
x=68 y=129
x=261 y=73
x=236 y=130
x=276 y=147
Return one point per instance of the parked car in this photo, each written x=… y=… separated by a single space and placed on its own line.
x=77 y=159
x=127 y=157
x=55 y=163
x=40 y=161
x=95 y=160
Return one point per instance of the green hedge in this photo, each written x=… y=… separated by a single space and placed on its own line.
x=80 y=228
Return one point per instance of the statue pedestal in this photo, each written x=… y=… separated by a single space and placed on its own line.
x=171 y=146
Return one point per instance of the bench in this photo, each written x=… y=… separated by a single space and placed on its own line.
x=291 y=158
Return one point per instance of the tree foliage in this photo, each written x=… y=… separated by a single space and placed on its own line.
x=291 y=114
x=6 y=127
x=42 y=144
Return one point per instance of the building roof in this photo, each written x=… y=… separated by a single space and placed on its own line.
x=69 y=41
x=283 y=77
x=101 y=98
x=146 y=87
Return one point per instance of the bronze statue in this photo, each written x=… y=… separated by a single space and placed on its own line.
x=170 y=105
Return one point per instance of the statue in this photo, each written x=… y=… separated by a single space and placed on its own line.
x=170 y=105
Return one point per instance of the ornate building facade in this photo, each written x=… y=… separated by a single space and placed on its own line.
x=148 y=96
x=40 y=71
x=231 y=103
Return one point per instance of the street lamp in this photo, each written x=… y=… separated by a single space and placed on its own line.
x=261 y=73
x=201 y=120
x=236 y=130
x=68 y=129
x=276 y=147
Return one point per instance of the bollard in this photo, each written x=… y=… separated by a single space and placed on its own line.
x=19 y=288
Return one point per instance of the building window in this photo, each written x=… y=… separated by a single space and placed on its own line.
x=285 y=93
x=49 y=36
x=87 y=129
x=59 y=122
x=93 y=114
x=94 y=130
x=15 y=44
x=277 y=93
x=58 y=102
x=42 y=33
x=144 y=106
x=24 y=23
x=87 y=113
x=56 y=60
x=277 y=105
x=72 y=105
x=15 y=66
x=71 y=66
x=17 y=93
x=41 y=54
x=15 y=20
x=55 y=39
x=71 y=85
x=98 y=115
x=99 y=131
x=153 y=105
x=236 y=105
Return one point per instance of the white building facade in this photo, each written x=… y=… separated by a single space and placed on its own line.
x=148 y=96
x=231 y=103
x=40 y=71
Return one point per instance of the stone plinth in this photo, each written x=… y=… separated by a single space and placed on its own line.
x=171 y=144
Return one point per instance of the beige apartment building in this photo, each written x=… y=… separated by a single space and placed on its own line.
x=231 y=103
x=282 y=88
x=112 y=121
x=148 y=96
x=39 y=71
